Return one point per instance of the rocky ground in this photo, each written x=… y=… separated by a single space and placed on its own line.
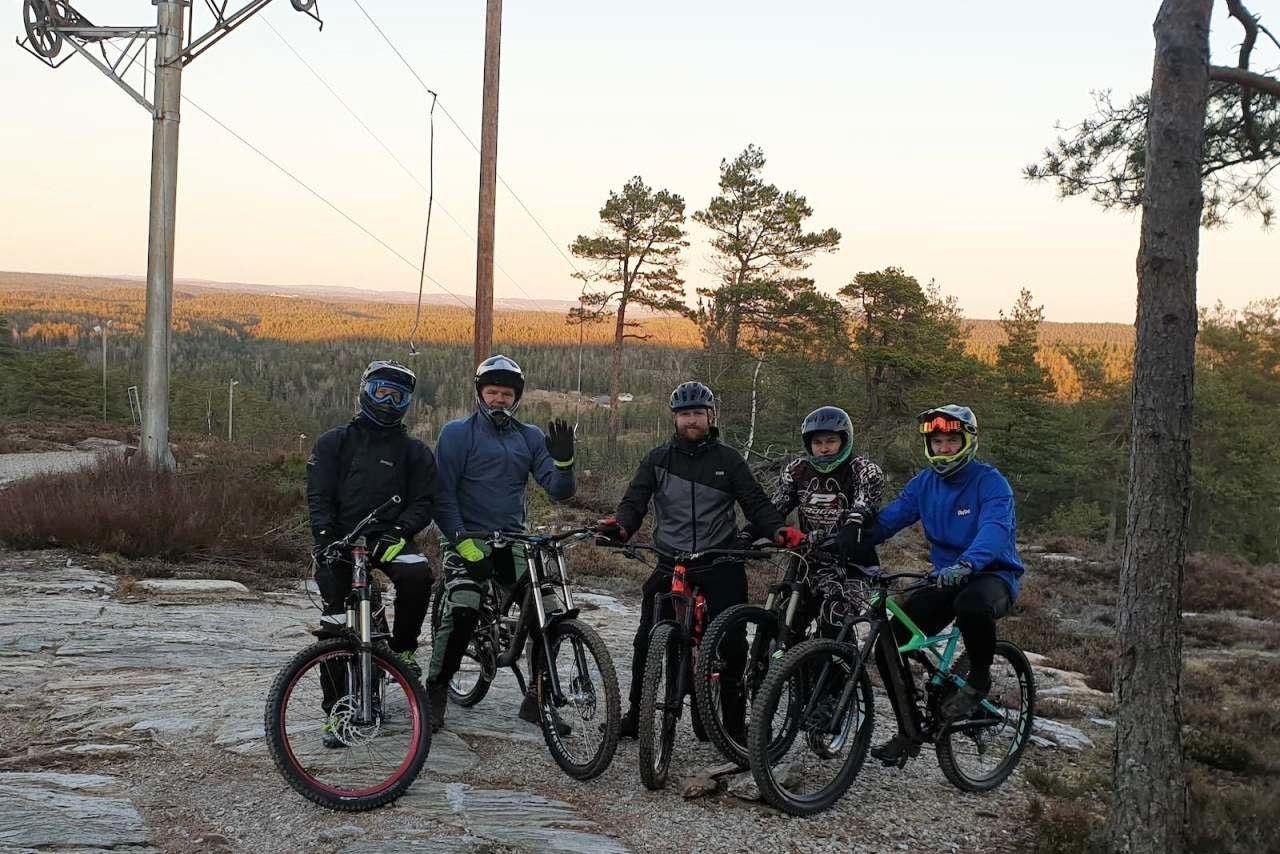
x=133 y=722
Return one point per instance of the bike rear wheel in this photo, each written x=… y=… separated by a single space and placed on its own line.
x=661 y=702
x=982 y=753
x=819 y=763
x=757 y=640
x=376 y=752
x=592 y=708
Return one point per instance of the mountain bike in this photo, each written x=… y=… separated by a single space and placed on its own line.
x=669 y=663
x=780 y=624
x=571 y=670
x=346 y=724
x=828 y=689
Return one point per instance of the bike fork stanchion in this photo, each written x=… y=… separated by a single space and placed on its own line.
x=366 y=662
x=544 y=641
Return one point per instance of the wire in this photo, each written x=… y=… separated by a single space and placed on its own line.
x=330 y=204
x=386 y=148
x=318 y=195
x=466 y=136
x=426 y=236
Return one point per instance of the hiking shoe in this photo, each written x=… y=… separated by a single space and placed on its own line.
x=630 y=724
x=529 y=712
x=896 y=751
x=963 y=702
x=331 y=738
x=438 y=699
x=409 y=659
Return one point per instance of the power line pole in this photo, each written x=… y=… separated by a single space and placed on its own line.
x=231 y=405
x=488 y=182
x=102 y=328
x=52 y=24
x=154 y=442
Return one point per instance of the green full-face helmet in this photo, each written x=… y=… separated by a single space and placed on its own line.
x=949 y=419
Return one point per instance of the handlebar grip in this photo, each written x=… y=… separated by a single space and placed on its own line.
x=387 y=505
x=474 y=535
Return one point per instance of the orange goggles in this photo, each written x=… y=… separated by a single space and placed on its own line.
x=940 y=424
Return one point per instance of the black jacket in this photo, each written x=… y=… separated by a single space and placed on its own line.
x=357 y=467
x=693 y=489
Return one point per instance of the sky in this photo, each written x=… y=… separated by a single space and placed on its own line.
x=905 y=125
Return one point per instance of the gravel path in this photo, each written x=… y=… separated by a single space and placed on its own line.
x=161 y=696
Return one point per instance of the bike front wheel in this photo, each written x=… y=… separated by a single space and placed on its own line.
x=979 y=754
x=661 y=702
x=590 y=707
x=833 y=731
x=338 y=744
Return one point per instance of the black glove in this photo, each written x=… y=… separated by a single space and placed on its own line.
x=323 y=543
x=849 y=539
x=560 y=442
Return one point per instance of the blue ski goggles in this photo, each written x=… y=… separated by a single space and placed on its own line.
x=389 y=393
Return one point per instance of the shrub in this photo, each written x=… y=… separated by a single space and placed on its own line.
x=1063 y=827
x=1233 y=819
x=1080 y=519
x=116 y=506
x=1220 y=583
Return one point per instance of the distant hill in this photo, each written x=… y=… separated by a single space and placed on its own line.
x=60 y=309
x=984 y=333
x=334 y=293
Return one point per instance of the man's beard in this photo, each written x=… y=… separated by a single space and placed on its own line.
x=693 y=433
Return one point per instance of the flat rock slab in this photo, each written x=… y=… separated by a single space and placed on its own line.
x=1060 y=735
x=122 y=678
x=522 y=820
x=51 y=811
x=18 y=466
x=190 y=585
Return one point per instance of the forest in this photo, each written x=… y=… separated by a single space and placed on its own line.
x=1052 y=398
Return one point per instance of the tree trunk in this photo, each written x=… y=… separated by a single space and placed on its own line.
x=755 y=403
x=1149 y=804
x=615 y=376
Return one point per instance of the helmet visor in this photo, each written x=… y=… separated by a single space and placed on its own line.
x=388 y=393
x=940 y=424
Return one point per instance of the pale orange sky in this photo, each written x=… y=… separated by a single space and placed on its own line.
x=906 y=125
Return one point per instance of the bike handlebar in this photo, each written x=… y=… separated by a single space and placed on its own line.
x=496 y=537
x=684 y=558
x=345 y=542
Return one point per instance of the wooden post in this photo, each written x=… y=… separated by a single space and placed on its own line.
x=488 y=183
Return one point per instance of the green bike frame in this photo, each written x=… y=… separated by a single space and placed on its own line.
x=949 y=640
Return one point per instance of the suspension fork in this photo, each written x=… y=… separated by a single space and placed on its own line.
x=579 y=654
x=536 y=574
x=363 y=614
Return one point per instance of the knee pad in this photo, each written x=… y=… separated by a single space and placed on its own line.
x=463 y=594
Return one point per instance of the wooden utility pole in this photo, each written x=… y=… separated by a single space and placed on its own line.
x=488 y=182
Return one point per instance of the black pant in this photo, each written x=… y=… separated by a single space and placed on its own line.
x=974 y=606
x=413 y=592
x=723 y=585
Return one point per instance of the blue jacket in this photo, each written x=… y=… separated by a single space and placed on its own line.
x=482 y=473
x=968 y=517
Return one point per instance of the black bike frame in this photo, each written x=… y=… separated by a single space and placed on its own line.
x=898 y=679
x=541 y=550
x=360 y=608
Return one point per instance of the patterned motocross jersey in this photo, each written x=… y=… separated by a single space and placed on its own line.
x=821 y=500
